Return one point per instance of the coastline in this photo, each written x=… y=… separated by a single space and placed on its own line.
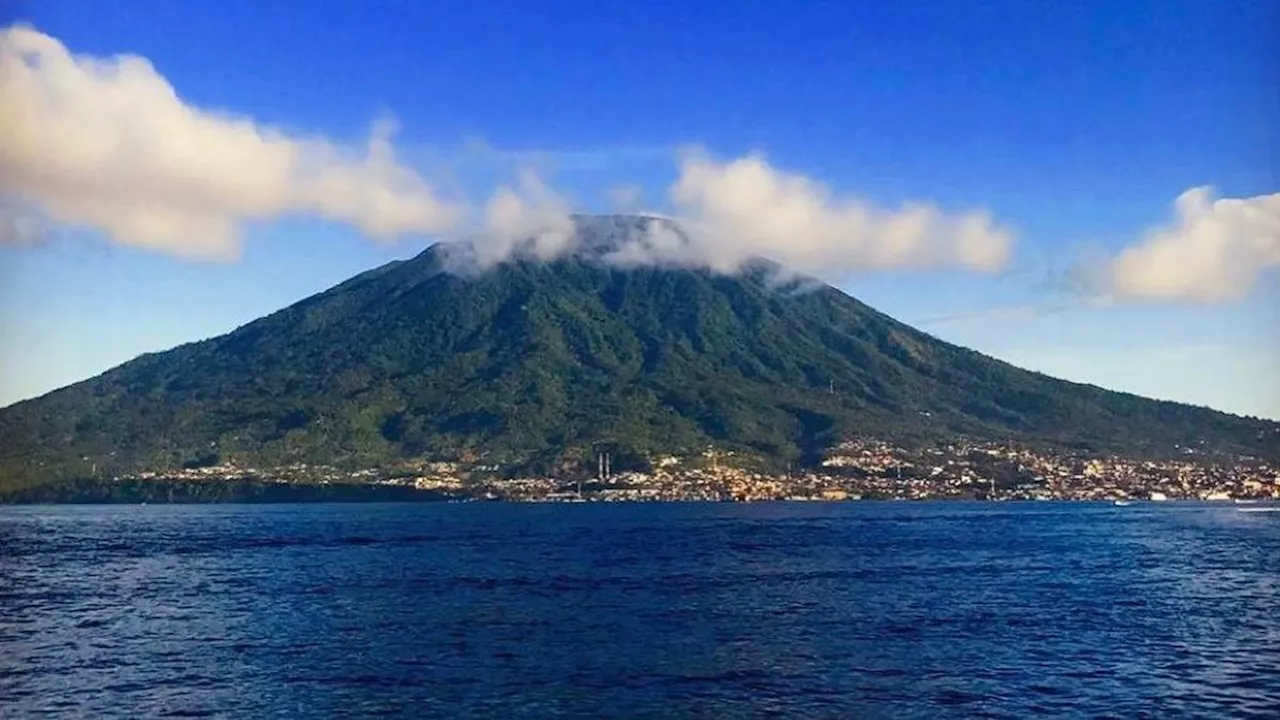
x=185 y=492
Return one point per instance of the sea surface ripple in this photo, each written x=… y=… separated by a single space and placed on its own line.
x=843 y=610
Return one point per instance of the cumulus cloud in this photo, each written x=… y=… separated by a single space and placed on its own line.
x=663 y=241
x=727 y=215
x=108 y=143
x=746 y=208
x=527 y=220
x=1214 y=250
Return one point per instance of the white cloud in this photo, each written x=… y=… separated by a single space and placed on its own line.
x=729 y=214
x=746 y=208
x=1215 y=250
x=527 y=220
x=662 y=242
x=108 y=143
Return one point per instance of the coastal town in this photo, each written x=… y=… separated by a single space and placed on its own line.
x=855 y=470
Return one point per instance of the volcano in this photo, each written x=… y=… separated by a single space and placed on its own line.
x=531 y=364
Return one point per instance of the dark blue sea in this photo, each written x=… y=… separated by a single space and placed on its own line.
x=854 y=610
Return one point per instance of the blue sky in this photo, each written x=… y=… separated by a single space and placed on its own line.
x=1075 y=125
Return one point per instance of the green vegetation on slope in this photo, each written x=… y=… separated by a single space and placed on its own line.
x=534 y=365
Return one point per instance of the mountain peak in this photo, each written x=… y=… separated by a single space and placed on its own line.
x=535 y=363
x=617 y=241
x=611 y=238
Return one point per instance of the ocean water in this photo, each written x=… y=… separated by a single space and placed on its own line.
x=856 y=610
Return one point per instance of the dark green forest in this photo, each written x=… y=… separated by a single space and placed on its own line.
x=534 y=365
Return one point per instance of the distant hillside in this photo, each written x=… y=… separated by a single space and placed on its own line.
x=532 y=363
